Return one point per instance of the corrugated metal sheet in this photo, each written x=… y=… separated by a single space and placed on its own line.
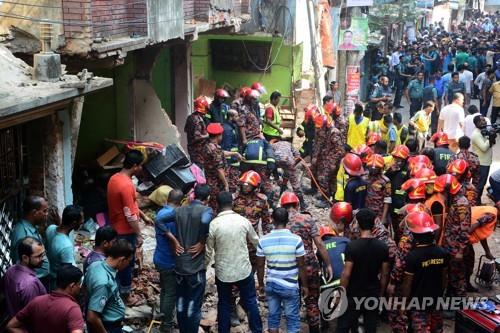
x=165 y=20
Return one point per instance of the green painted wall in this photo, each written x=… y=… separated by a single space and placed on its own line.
x=278 y=79
x=106 y=112
x=162 y=81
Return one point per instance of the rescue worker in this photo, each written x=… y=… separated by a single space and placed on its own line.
x=357 y=127
x=442 y=154
x=327 y=164
x=341 y=216
x=388 y=131
x=272 y=118
x=340 y=123
x=372 y=139
x=231 y=143
x=259 y=157
x=363 y=151
x=287 y=157
x=460 y=169
x=238 y=102
x=398 y=174
x=257 y=86
x=218 y=108
x=248 y=121
x=421 y=122
x=303 y=225
x=425 y=273
x=251 y=204
x=355 y=190
x=379 y=192
x=472 y=159
x=196 y=131
x=401 y=129
x=456 y=230
x=308 y=130
x=323 y=125
x=215 y=164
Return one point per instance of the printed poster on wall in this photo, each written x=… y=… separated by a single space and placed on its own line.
x=353 y=84
x=335 y=14
x=353 y=34
x=359 y=3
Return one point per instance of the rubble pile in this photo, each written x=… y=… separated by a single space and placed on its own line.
x=146 y=285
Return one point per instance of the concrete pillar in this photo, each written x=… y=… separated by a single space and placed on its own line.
x=183 y=90
x=53 y=166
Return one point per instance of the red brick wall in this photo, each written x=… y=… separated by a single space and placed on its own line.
x=201 y=8
x=108 y=18
x=188 y=6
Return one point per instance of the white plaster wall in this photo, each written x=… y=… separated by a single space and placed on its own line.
x=302 y=34
x=151 y=121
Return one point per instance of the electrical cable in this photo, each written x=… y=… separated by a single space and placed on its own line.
x=309 y=171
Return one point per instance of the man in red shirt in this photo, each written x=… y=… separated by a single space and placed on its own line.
x=57 y=312
x=124 y=214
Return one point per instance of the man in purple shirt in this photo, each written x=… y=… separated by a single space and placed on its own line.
x=21 y=283
x=104 y=239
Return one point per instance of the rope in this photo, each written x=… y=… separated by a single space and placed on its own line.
x=315 y=181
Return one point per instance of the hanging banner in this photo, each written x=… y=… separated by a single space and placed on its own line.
x=359 y=3
x=353 y=84
x=325 y=31
x=354 y=37
x=335 y=14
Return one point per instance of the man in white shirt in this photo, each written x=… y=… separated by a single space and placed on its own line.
x=469 y=126
x=451 y=120
x=480 y=78
x=227 y=237
x=467 y=78
x=482 y=146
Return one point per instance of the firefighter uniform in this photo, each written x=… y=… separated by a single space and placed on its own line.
x=249 y=121
x=214 y=161
x=259 y=157
x=329 y=160
x=231 y=142
x=197 y=137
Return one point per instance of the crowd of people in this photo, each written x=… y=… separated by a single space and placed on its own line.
x=404 y=202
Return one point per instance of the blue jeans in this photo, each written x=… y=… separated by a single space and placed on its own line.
x=124 y=276
x=190 y=291
x=495 y=189
x=278 y=297
x=484 y=171
x=248 y=300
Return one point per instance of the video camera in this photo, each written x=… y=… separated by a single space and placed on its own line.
x=490 y=130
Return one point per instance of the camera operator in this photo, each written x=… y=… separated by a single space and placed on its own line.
x=482 y=143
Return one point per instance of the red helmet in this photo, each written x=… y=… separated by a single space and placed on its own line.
x=201 y=104
x=245 y=91
x=425 y=174
x=373 y=138
x=215 y=129
x=251 y=178
x=310 y=111
x=401 y=151
x=254 y=94
x=375 y=161
x=353 y=165
x=416 y=207
x=341 y=212
x=363 y=151
x=447 y=182
x=221 y=93
x=326 y=230
x=332 y=108
x=420 y=159
x=259 y=87
x=440 y=139
x=416 y=167
x=322 y=120
x=415 y=188
x=289 y=198
x=420 y=223
x=458 y=168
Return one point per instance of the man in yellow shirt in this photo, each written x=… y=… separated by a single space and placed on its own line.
x=495 y=91
x=421 y=121
x=358 y=127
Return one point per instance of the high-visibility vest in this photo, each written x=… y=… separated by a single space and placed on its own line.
x=267 y=129
x=439 y=219
x=356 y=134
x=398 y=132
x=486 y=230
x=384 y=131
x=342 y=178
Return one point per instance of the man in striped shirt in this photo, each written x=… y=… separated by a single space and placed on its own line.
x=285 y=253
